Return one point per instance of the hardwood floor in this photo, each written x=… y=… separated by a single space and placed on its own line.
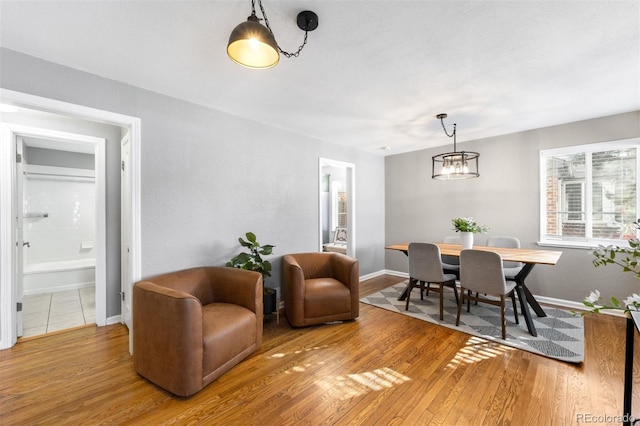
x=382 y=369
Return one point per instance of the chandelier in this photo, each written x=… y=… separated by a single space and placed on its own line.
x=454 y=165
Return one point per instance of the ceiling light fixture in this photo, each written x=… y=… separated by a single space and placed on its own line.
x=454 y=165
x=254 y=46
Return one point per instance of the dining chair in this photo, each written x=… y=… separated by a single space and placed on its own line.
x=450 y=264
x=511 y=269
x=425 y=266
x=481 y=272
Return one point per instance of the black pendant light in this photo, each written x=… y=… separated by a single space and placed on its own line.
x=253 y=45
x=454 y=165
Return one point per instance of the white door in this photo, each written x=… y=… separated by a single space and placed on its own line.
x=125 y=213
x=20 y=243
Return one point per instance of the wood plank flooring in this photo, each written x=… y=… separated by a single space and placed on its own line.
x=383 y=369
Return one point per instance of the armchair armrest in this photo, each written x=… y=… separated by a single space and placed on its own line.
x=169 y=322
x=346 y=269
x=293 y=288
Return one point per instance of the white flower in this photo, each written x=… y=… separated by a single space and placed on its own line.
x=633 y=302
x=593 y=297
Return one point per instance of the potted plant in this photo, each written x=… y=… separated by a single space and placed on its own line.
x=467 y=227
x=253 y=261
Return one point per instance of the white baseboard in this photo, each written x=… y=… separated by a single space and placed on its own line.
x=372 y=275
x=116 y=319
x=575 y=306
x=396 y=273
x=59 y=288
x=567 y=304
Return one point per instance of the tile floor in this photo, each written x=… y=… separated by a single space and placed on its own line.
x=48 y=312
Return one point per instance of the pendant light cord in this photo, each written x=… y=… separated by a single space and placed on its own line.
x=266 y=21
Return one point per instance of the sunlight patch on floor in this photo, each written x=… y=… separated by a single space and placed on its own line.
x=299 y=351
x=476 y=350
x=345 y=387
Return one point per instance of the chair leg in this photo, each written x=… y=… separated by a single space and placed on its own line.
x=460 y=303
x=515 y=309
x=441 y=302
x=428 y=287
x=503 y=317
x=422 y=290
x=455 y=292
x=469 y=300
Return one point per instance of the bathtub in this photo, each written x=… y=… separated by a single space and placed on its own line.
x=59 y=276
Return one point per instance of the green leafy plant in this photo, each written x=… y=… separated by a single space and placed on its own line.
x=467 y=224
x=627 y=259
x=253 y=260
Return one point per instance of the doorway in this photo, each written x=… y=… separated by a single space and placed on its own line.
x=9 y=305
x=57 y=220
x=336 y=191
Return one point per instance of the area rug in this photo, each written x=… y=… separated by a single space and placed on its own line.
x=560 y=333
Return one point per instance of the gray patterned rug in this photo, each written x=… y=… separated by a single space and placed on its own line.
x=560 y=333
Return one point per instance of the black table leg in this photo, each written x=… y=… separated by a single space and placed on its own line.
x=519 y=279
x=406 y=291
x=527 y=299
x=628 y=373
x=524 y=307
x=403 y=295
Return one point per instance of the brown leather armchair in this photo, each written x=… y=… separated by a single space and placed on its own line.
x=320 y=287
x=191 y=326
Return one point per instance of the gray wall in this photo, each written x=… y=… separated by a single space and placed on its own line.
x=505 y=198
x=208 y=177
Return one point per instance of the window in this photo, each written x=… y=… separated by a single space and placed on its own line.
x=589 y=194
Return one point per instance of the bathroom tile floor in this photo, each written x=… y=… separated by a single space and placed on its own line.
x=48 y=312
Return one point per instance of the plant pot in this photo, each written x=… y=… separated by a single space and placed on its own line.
x=466 y=240
x=269 y=300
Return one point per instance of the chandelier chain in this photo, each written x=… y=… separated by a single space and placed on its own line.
x=445 y=129
x=266 y=21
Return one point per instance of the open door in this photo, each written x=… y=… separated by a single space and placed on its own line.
x=126 y=275
x=20 y=243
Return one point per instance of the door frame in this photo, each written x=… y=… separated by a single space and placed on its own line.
x=8 y=326
x=125 y=230
x=351 y=201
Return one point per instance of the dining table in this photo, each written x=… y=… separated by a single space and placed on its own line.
x=528 y=257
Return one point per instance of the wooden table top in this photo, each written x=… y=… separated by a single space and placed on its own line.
x=544 y=257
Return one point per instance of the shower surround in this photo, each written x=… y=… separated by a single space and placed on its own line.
x=59 y=226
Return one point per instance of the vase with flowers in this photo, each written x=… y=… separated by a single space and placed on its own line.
x=467 y=227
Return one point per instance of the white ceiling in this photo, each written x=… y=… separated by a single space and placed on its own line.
x=374 y=73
